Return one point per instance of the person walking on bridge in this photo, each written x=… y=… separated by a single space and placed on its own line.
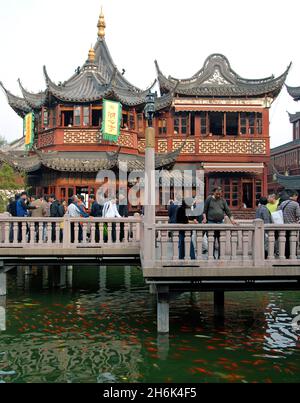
x=215 y=210
x=291 y=215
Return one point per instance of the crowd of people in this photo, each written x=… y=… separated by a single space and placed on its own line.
x=24 y=205
x=215 y=210
x=279 y=209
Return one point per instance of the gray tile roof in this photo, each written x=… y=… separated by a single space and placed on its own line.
x=294 y=92
x=289 y=182
x=91 y=83
x=84 y=161
x=18 y=104
x=294 y=117
x=217 y=79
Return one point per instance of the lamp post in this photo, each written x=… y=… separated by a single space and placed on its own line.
x=150 y=188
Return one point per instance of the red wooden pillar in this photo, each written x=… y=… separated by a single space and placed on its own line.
x=265 y=181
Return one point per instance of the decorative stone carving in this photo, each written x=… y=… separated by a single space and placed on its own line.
x=217 y=78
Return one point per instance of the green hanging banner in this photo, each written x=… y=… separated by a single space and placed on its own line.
x=112 y=118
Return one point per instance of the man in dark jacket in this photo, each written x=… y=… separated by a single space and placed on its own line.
x=215 y=210
x=172 y=210
x=56 y=211
x=123 y=211
x=182 y=218
x=12 y=210
x=96 y=212
x=22 y=210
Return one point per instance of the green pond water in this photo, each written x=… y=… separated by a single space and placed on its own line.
x=103 y=330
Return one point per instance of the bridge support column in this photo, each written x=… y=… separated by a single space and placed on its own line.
x=63 y=276
x=128 y=278
x=163 y=308
x=219 y=304
x=45 y=277
x=2 y=314
x=152 y=289
x=3 y=285
x=102 y=277
x=70 y=276
x=163 y=346
x=27 y=271
x=20 y=277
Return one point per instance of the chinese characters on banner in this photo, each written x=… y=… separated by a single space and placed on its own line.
x=29 y=130
x=112 y=116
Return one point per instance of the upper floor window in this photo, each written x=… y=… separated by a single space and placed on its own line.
x=86 y=116
x=162 y=125
x=131 y=121
x=203 y=123
x=181 y=123
x=140 y=123
x=67 y=117
x=77 y=116
x=251 y=123
x=53 y=117
x=96 y=116
x=216 y=123
x=45 y=118
x=231 y=123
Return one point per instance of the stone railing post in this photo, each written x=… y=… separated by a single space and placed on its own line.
x=150 y=199
x=67 y=233
x=259 y=243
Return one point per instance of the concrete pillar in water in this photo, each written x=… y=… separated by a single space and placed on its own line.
x=27 y=273
x=2 y=314
x=127 y=278
x=102 y=278
x=63 y=276
x=163 y=308
x=163 y=346
x=70 y=276
x=219 y=303
x=3 y=285
x=152 y=289
x=20 y=277
x=45 y=277
x=27 y=270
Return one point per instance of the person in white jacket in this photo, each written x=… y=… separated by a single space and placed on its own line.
x=110 y=210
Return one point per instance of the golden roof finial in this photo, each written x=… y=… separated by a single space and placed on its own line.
x=101 y=25
x=92 y=55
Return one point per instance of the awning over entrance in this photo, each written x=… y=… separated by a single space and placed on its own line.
x=254 y=168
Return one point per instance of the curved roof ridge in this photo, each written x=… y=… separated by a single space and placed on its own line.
x=18 y=104
x=35 y=100
x=100 y=47
x=217 y=78
x=294 y=92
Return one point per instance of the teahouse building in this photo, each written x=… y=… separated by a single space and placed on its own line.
x=285 y=159
x=216 y=121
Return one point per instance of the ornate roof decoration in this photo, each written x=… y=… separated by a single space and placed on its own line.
x=294 y=117
x=83 y=161
x=294 y=92
x=101 y=25
x=97 y=78
x=217 y=79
